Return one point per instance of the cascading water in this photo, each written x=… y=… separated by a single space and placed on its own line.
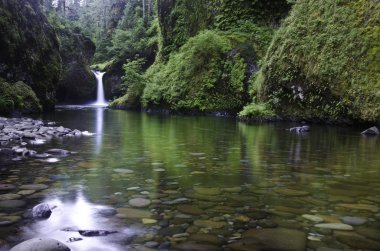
x=100 y=100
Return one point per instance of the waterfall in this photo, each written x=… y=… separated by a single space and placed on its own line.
x=100 y=100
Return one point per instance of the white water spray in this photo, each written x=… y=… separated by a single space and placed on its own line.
x=100 y=100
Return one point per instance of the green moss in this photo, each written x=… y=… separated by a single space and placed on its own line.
x=17 y=97
x=324 y=61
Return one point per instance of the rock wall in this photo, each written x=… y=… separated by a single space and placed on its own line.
x=77 y=83
x=29 y=49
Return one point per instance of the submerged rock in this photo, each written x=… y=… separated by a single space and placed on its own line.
x=373 y=131
x=41 y=244
x=139 y=202
x=335 y=226
x=354 y=221
x=300 y=129
x=271 y=239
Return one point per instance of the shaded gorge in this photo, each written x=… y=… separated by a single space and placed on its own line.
x=196 y=183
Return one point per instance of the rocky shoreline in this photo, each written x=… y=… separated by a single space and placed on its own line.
x=17 y=133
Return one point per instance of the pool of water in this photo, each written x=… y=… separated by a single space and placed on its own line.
x=198 y=183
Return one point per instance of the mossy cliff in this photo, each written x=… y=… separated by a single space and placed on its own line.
x=77 y=83
x=29 y=49
x=323 y=63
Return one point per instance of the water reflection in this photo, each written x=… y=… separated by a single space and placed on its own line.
x=99 y=129
x=78 y=213
x=247 y=172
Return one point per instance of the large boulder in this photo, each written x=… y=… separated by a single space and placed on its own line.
x=41 y=244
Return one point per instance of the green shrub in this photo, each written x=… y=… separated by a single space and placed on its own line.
x=256 y=111
x=206 y=75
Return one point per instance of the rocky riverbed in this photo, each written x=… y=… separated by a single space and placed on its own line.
x=19 y=135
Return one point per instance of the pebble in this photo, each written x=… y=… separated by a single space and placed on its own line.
x=149 y=221
x=139 y=202
x=151 y=244
x=354 y=221
x=313 y=218
x=123 y=170
x=335 y=226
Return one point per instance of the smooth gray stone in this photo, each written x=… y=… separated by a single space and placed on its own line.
x=41 y=244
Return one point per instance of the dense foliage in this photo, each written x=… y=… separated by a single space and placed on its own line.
x=326 y=66
x=200 y=67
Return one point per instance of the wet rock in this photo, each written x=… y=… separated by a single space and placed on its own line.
x=313 y=218
x=10 y=196
x=292 y=210
x=139 y=202
x=12 y=203
x=58 y=152
x=149 y=221
x=264 y=223
x=95 y=233
x=193 y=246
x=364 y=207
x=151 y=244
x=41 y=211
x=271 y=239
x=123 y=170
x=335 y=226
x=41 y=244
x=176 y=201
x=106 y=212
x=7 y=220
x=42 y=156
x=132 y=213
x=206 y=197
x=300 y=129
x=170 y=231
x=207 y=190
x=232 y=189
x=373 y=131
x=354 y=221
x=369 y=232
x=290 y=192
x=189 y=209
x=207 y=238
x=36 y=187
x=356 y=241
x=275 y=239
x=164 y=223
x=210 y=223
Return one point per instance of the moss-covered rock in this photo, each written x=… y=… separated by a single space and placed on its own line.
x=324 y=62
x=29 y=49
x=17 y=97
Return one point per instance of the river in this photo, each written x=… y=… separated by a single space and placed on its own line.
x=200 y=183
